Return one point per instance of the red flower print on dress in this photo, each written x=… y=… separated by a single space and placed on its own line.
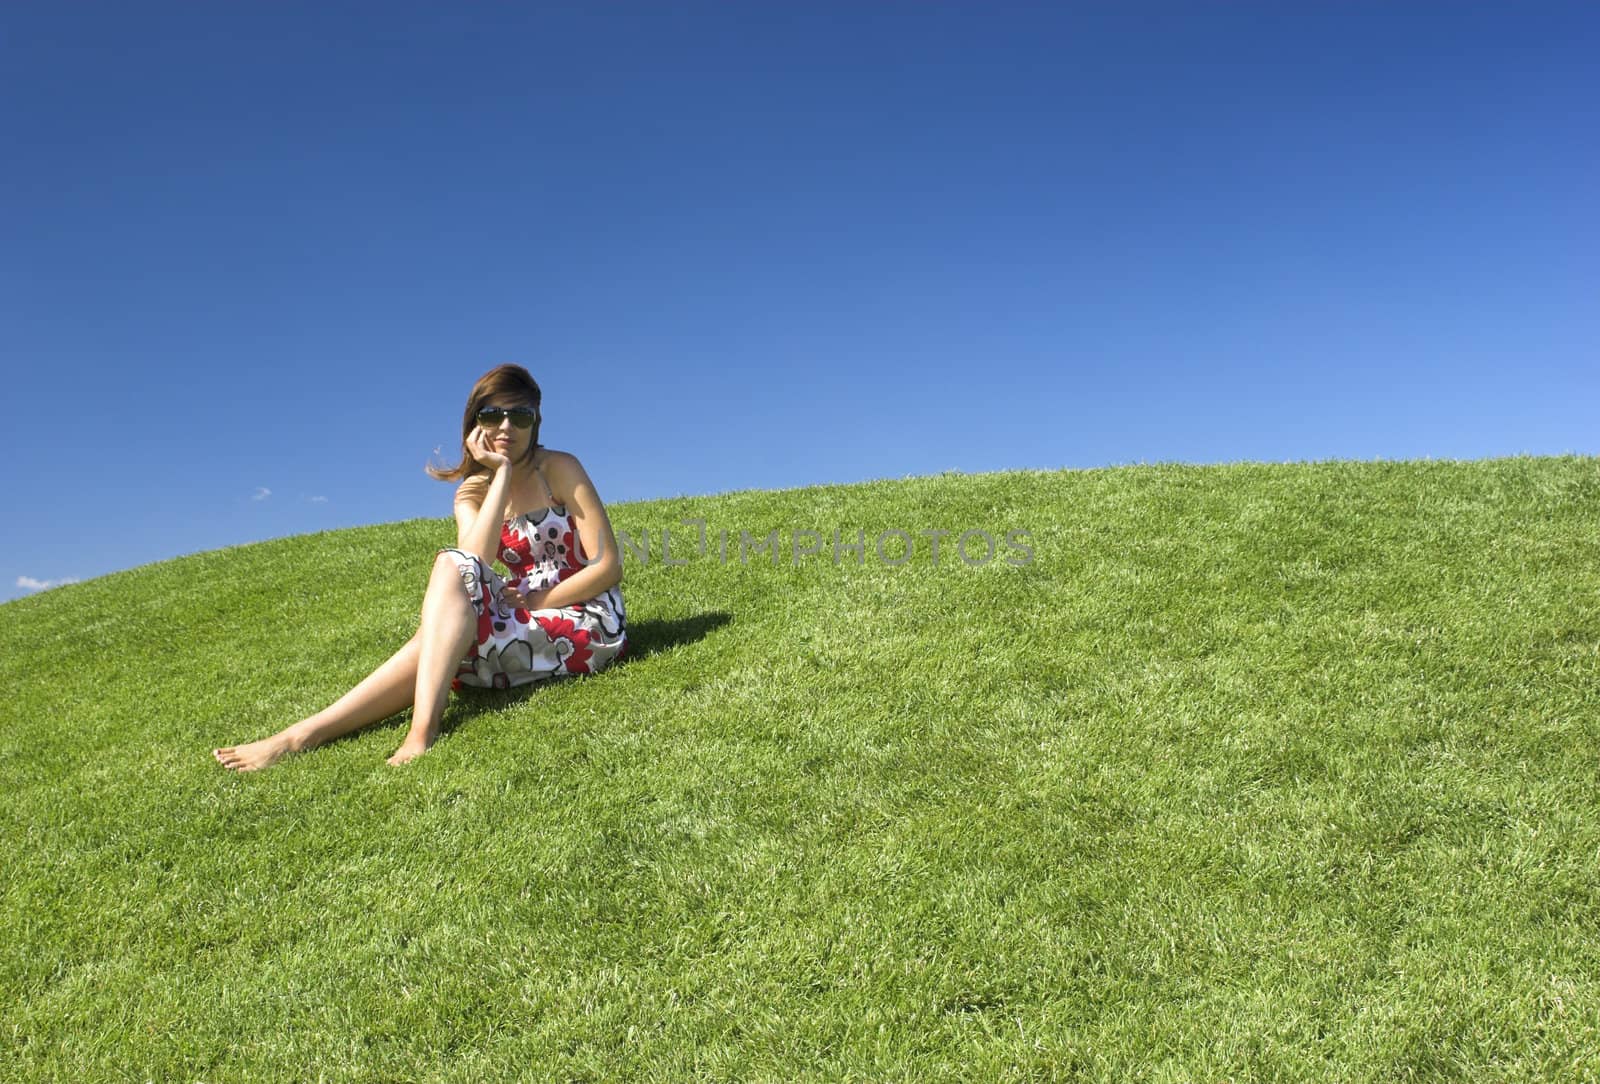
x=573 y=552
x=576 y=656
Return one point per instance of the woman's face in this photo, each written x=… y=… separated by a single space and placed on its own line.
x=500 y=420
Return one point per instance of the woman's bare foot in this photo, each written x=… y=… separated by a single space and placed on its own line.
x=410 y=749
x=255 y=755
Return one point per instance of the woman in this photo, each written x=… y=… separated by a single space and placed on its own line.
x=559 y=611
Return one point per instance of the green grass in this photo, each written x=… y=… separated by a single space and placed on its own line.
x=1254 y=773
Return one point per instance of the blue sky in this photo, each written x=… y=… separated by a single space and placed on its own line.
x=254 y=256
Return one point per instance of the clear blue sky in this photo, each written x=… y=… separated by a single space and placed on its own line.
x=252 y=256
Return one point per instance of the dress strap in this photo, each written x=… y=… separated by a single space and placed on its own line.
x=548 y=492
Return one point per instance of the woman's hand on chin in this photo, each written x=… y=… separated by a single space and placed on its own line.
x=478 y=444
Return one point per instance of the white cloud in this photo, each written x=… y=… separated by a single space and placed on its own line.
x=261 y=494
x=28 y=583
x=317 y=500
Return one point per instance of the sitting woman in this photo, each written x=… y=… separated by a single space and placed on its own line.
x=559 y=611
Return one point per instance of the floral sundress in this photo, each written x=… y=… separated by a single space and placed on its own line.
x=515 y=646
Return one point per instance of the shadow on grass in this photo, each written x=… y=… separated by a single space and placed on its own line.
x=646 y=638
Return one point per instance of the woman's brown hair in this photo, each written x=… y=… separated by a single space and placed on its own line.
x=507 y=385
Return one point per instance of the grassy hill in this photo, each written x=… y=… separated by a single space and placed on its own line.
x=1252 y=773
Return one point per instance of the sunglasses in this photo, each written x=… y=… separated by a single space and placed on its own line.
x=522 y=417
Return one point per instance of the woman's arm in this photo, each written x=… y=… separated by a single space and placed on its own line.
x=478 y=518
x=570 y=484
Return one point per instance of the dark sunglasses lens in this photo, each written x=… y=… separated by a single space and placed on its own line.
x=491 y=417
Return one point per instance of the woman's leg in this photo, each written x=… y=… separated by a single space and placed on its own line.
x=384 y=692
x=449 y=630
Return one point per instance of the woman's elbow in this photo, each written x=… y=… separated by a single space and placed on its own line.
x=608 y=572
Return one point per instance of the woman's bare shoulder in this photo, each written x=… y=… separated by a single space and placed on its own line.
x=560 y=464
x=564 y=474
